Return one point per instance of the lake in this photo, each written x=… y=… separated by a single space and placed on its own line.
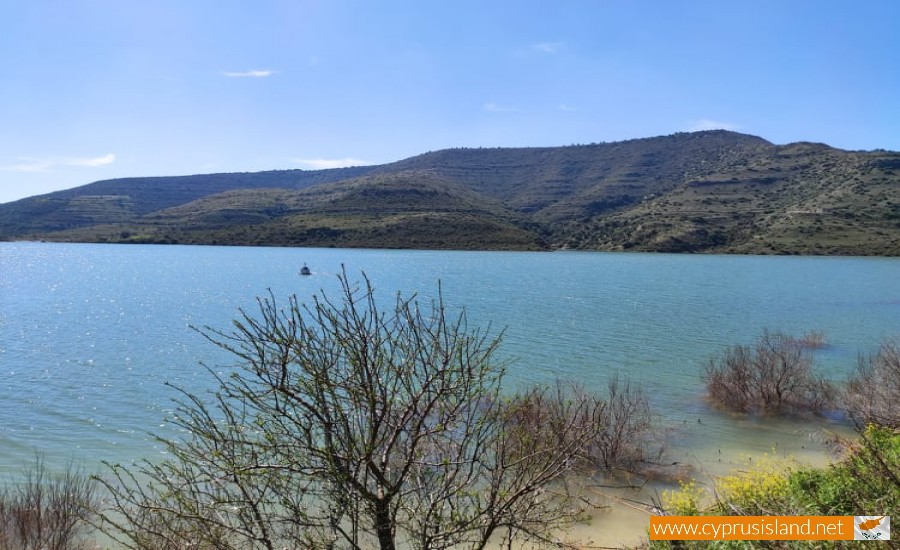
x=90 y=334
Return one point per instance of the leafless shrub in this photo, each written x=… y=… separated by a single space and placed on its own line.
x=773 y=376
x=873 y=394
x=814 y=339
x=47 y=512
x=619 y=424
x=627 y=439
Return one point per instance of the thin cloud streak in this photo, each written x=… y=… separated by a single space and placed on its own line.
x=547 y=47
x=96 y=161
x=496 y=108
x=48 y=164
x=249 y=74
x=324 y=164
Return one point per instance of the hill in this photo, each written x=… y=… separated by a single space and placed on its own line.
x=714 y=191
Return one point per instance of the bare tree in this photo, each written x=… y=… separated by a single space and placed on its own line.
x=773 y=376
x=342 y=426
x=873 y=394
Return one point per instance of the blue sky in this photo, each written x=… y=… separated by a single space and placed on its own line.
x=101 y=89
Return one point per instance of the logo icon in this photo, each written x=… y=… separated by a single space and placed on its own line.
x=872 y=528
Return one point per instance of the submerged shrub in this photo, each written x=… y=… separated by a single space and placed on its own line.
x=627 y=439
x=773 y=376
x=623 y=436
x=814 y=339
x=47 y=512
x=873 y=394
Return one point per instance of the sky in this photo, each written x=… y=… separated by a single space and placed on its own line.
x=100 y=89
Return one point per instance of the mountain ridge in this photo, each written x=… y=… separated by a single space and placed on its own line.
x=713 y=191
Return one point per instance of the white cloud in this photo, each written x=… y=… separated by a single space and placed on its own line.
x=322 y=164
x=49 y=163
x=564 y=107
x=547 y=47
x=707 y=124
x=27 y=165
x=96 y=161
x=249 y=74
x=496 y=108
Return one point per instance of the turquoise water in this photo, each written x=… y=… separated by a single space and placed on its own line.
x=90 y=334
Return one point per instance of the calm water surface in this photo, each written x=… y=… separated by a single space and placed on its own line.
x=90 y=334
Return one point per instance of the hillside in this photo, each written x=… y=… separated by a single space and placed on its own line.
x=123 y=200
x=714 y=191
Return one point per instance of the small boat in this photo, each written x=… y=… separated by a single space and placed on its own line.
x=305 y=270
